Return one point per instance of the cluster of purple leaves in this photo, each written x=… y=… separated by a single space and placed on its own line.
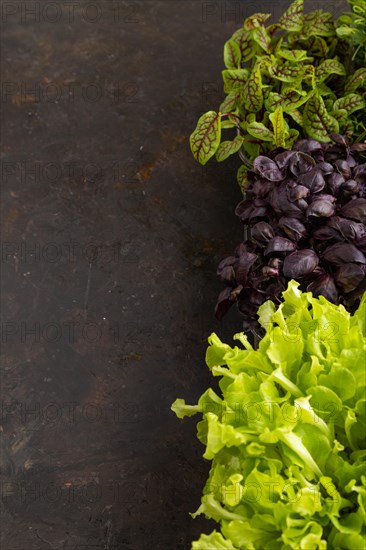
x=305 y=212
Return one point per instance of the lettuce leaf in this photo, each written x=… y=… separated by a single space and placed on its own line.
x=286 y=432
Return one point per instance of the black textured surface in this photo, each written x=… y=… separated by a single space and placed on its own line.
x=126 y=230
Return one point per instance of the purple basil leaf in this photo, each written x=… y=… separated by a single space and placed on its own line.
x=243 y=208
x=320 y=208
x=344 y=168
x=243 y=266
x=325 y=167
x=270 y=271
x=293 y=228
x=296 y=192
x=300 y=263
x=352 y=162
x=355 y=209
x=324 y=286
x=342 y=253
x=224 y=303
x=326 y=233
x=350 y=230
x=267 y=168
x=248 y=210
x=280 y=244
x=262 y=233
x=307 y=145
x=262 y=187
x=334 y=182
x=325 y=196
x=340 y=140
x=283 y=159
x=361 y=244
x=281 y=205
x=351 y=187
x=358 y=147
x=359 y=173
x=349 y=276
x=301 y=205
x=227 y=275
x=313 y=180
x=244 y=248
x=300 y=163
x=276 y=263
x=226 y=262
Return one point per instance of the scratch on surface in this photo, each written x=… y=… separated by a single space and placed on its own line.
x=86 y=296
x=109 y=535
x=42 y=539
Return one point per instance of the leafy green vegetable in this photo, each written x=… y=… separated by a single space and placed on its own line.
x=286 y=432
x=310 y=65
x=206 y=138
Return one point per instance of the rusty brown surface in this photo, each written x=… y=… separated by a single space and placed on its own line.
x=126 y=232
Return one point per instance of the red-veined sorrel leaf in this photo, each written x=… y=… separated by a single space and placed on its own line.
x=355 y=80
x=278 y=124
x=291 y=137
x=289 y=100
x=206 y=137
x=296 y=116
x=234 y=78
x=285 y=72
x=227 y=148
x=329 y=67
x=252 y=93
x=318 y=23
x=294 y=55
x=317 y=121
x=241 y=177
x=341 y=116
x=231 y=102
x=262 y=38
x=245 y=42
x=350 y=103
x=292 y=19
x=318 y=46
x=260 y=131
x=256 y=20
x=232 y=55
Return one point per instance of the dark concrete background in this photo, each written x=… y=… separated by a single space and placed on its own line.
x=111 y=234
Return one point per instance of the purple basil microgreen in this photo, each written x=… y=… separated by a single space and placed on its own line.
x=355 y=209
x=342 y=253
x=305 y=226
x=267 y=168
x=349 y=276
x=349 y=229
x=293 y=228
x=280 y=245
x=321 y=208
x=300 y=263
x=262 y=233
x=324 y=285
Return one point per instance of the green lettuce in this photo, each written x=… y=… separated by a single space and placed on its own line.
x=286 y=432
